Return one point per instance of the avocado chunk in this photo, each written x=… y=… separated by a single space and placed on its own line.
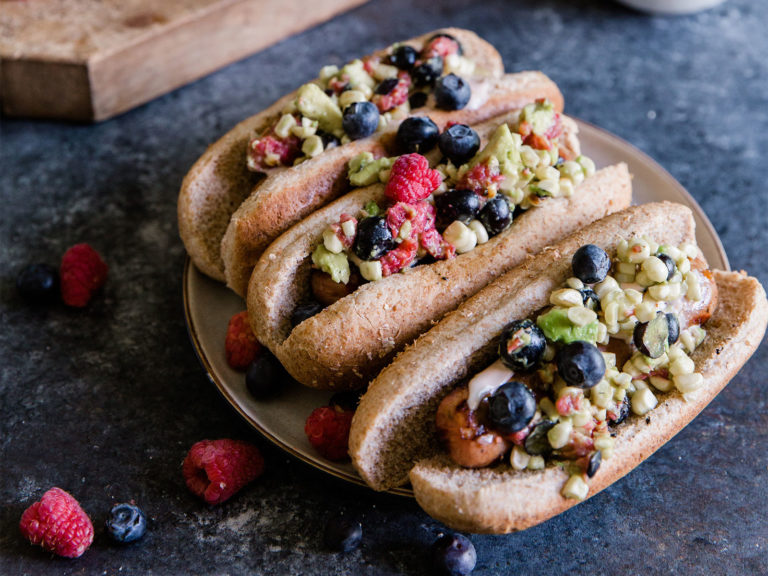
x=558 y=328
x=504 y=147
x=540 y=115
x=335 y=265
x=364 y=170
x=315 y=104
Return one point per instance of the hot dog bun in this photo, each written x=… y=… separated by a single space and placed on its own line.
x=347 y=343
x=393 y=431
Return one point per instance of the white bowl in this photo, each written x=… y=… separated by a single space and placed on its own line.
x=671 y=6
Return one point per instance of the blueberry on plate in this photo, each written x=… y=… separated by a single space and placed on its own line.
x=580 y=364
x=522 y=345
x=590 y=264
x=427 y=73
x=126 y=523
x=404 y=57
x=304 y=311
x=452 y=205
x=342 y=534
x=417 y=134
x=360 y=120
x=265 y=376
x=496 y=215
x=373 y=238
x=511 y=407
x=452 y=92
x=459 y=143
x=38 y=282
x=453 y=555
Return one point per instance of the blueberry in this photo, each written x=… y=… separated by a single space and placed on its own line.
x=440 y=35
x=511 y=407
x=453 y=555
x=404 y=57
x=373 y=238
x=304 y=311
x=386 y=86
x=126 y=523
x=590 y=299
x=495 y=215
x=417 y=100
x=329 y=140
x=652 y=338
x=673 y=327
x=265 y=376
x=623 y=413
x=537 y=442
x=580 y=364
x=590 y=264
x=342 y=534
x=417 y=134
x=427 y=73
x=360 y=119
x=38 y=282
x=522 y=345
x=594 y=463
x=452 y=92
x=670 y=264
x=459 y=143
x=462 y=205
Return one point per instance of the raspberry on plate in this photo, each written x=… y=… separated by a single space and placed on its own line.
x=241 y=346
x=411 y=179
x=58 y=524
x=327 y=429
x=215 y=470
x=82 y=273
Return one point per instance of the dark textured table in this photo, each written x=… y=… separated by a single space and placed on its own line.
x=105 y=402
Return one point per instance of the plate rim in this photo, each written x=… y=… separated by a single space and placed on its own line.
x=317 y=462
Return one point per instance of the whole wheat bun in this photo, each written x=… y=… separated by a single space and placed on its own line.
x=219 y=181
x=393 y=435
x=346 y=344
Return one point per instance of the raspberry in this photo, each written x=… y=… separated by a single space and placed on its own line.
x=327 y=429
x=241 y=346
x=82 y=273
x=421 y=215
x=411 y=179
x=216 y=469
x=397 y=259
x=432 y=241
x=58 y=524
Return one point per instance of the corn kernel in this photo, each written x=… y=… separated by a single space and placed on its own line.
x=689 y=382
x=575 y=488
x=643 y=401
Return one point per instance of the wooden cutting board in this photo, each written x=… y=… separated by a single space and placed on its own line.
x=92 y=59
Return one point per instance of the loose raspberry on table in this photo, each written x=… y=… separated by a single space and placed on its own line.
x=81 y=274
x=215 y=470
x=327 y=429
x=240 y=345
x=58 y=524
x=411 y=179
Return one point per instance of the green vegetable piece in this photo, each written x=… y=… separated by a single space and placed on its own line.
x=539 y=115
x=315 y=104
x=558 y=328
x=336 y=265
x=504 y=147
x=652 y=338
x=364 y=170
x=372 y=208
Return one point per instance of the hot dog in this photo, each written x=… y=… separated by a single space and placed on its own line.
x=628 y=359
x=288 y=160
x=350 y=340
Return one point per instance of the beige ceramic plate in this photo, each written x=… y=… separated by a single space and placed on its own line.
x=208 y=306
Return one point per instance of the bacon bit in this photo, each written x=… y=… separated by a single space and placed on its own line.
x=421 y=214
x=637 y=248
x=338 y=84
x=568 y=404
x=518 y=438
x=397 y=96
x=432 y=241
x=397 y=259
x=287 y=150
x=580 y=445
x=368 y=65
x=345 y=240
x=482 y=178
x=440 y=46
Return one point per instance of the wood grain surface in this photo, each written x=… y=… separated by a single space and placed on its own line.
x=89 y=60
